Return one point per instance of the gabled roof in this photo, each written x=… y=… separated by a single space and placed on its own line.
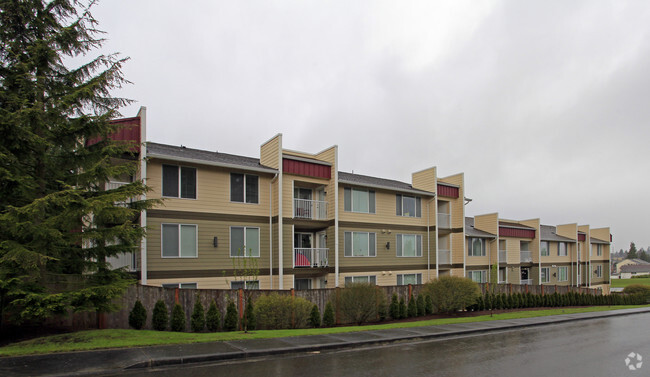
x=634 y=261
x=636 y=268
x=509 y=224
x=368 y=181
x=547 y=233
x=470 y=231
x=184 y=154
x=597 y=241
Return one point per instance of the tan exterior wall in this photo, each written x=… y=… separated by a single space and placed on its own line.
x=487 y=223
x=457 y=248
x=554 y=280
x=270 y=152
x=425 y=180
x=385 y=211
x=553 y=250
x=567 y=230
x=457 y=205
x=385 y=258
x=289 y=181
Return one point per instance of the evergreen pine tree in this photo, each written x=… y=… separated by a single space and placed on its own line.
x=412 y=310
x=213 y=317
x=178 y=318
x=328 y=315
x=250 y=316
x=428 y=304
x=402 y=308
x=394 y=307
x=197 y=322
x=58 y=225
x=159 y=318
x=314 y=317
x=230 y=322
x=420 y=305
x=138 y=316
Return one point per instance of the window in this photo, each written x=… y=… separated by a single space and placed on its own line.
x=358 y=200
x=562 y=273
x=409 y=206
x=301 y=283
x=599 y=271
x=244 y=188
x=250 y=284
x=599 y=250
x=244 y=241
x=180 y=285
x=524 y=246
x=406 y=279
x=475 y=247
x=172 y=185
x=360 y=279
x=545 y=274
x=544 y=249
x=561 y=249
x=179 y=241
x=359 y=244
x=478 y=276
x=409 y=245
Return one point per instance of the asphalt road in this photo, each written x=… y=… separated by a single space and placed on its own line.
x=585 y=348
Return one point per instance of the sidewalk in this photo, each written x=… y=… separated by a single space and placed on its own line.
x=114 y=360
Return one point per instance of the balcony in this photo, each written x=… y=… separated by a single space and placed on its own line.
x=310 y=257
x=444 y=220
x=309 y=209
x=526 y=257
x=444 y=256
x=502 y=256
x=526 y=282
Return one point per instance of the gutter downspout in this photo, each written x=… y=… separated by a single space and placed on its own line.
x=336 y=219
x=143 y=177
x=280 y=225
x=271 y=229
x=428 y=237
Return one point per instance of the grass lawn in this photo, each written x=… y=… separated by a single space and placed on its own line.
x=97 y=339
x=622 y=283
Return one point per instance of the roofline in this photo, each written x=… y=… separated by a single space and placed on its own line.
x=419 y=192
x=304 y=159
x=210 y=163
x=523 y=227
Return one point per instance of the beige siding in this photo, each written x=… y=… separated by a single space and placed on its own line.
x=213 y=191
x=567 y=230
x=458 y=204
x=289 y=181
x=554 y=258
x=457 y=248
x=487 y=223
x=385 y=258
x=425 y=180
x=385 y=209
x=270 y=152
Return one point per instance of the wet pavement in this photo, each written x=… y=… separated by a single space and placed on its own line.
x=586 y=343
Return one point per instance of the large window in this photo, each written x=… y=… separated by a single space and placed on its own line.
x=244 y=241
x=599 y=250
x=250 y=284
x=562 y=249
x=358 y=200
x=545 y=271
x=409 y=206
x=475 y=247
x=599 y=271
x=544 y=249
x=360 y=279
x=179 y=241
x=180 y=285
x=178 y=182
x=406 y=279
x=478 y=276
x=409 y=245
x=562 y=273
x=359 y=244
x=244 y=188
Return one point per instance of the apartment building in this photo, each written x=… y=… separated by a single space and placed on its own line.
x=305 y=224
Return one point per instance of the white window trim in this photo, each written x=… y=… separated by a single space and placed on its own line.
x=258 y=189
x=179 y=285
x=367 y=191
x=566 y=274
x=259 y=240
x=416 y=274
x=599 y=271
x=416 y=247
x=415 y=198
x=548 y=249
x=196 y=182
x=352 y=245
x=360 y=277
x=196 y=235
x=566 y=249
x=548 y=275
x=483 y=247
x=246 y=282
x=483 y=275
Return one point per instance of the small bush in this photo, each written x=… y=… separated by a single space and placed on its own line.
x=314 y=316
x=394 y=307
x=402 y=308
x=213 y=318
x=178 y=318
x=197 y=322
x=452 y=293
x=412 y=309
x=420 y=305
x=138 y=316
x=382 y=305
x=642 y=290
x=328 y=315
x=231 y=321
x=276 y=311
x=249 y=321
x=428 y=304
x=160 y=318
x=358 y=302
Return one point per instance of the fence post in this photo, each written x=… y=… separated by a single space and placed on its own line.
x=176 y=295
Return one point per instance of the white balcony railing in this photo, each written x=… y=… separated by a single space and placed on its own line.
x=310 y=257
x=502 y=256
x=526 y=256
x=444 y=220
x=309 y=209
x=444 y=256
x=526 y=282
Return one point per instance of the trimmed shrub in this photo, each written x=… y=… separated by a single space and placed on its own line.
x=358 y=302
x=231 y=321
x=249 y=321
x=412 y=310
x=213 y=318
x=178 y=318
x=452 y=293
x=277 y=311
x=314 y=316
x=382 y=305
x=197 y=320
x=138 y=316
x=328 y=315
x=420 y=305
x=642 y=290
x=499 y=302
x=428 y=304
x=402 y=308
x=394 y=307
x=159 y=318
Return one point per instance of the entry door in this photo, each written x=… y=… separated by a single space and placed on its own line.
x=524 y=274
x=302 y=193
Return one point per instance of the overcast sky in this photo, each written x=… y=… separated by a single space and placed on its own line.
x=543 y=105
